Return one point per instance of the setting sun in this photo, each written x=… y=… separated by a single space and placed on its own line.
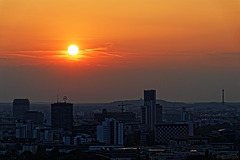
x=73 y=50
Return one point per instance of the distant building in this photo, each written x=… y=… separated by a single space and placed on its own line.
x=164 y=132
x=110 y=132
x=186 y=116
x=45 y=134
x=7 y=123
x=62 y=116
x=20 y=106
x=187 y=140
x=82 y=139
x=35 y=116
x=24 y=129
x=120 y=116
x=7 y=127
x=151 y=112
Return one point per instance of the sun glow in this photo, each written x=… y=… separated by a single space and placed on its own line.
x=73 y=50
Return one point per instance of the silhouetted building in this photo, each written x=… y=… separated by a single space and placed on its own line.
x=35 y=116
x=110 y=132
x=20 y=106
x=62 y=116
x=151 y=112
x=120 y=116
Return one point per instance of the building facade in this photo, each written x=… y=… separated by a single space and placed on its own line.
x=110 y=132
x=164 y=132
x=62 y=116
x=151 y=112
x=24 y=129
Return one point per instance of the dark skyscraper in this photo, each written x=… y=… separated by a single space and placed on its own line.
x=62 y=115
x=151 y=112
x=20 y=106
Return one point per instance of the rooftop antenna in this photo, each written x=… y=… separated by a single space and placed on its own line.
x=57 y=98
x=223 y=97
x=65 y=99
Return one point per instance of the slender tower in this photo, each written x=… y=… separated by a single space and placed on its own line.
x=223 y=97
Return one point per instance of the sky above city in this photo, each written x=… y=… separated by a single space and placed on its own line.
x=188 y=50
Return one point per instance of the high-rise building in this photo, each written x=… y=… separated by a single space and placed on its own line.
x=62 y=116
x=151 y=112
x=110 y=132
x=20 y=106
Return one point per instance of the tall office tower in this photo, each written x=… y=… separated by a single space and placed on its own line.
x=151 y=112
x=110 y=132
x=62 y=116
x=20 y=106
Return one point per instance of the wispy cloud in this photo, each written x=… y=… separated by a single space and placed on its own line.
x=45 y=56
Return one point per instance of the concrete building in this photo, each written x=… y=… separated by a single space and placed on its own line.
x=151 y=112
x=20 y=106
x=110 y=132
x=62 y=116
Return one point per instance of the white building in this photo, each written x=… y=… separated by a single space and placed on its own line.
x=110 y=132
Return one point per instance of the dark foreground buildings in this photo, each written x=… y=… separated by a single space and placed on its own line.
x=62 y=116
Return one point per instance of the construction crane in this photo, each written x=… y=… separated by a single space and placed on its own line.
x=123 y=105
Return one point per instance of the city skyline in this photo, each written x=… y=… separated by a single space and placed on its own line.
x=187 y=51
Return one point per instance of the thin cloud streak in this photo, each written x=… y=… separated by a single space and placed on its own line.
x=55 y=55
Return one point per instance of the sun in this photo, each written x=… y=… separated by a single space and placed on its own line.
x=73 y=50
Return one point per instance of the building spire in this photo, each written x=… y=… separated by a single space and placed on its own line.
x=223 y=97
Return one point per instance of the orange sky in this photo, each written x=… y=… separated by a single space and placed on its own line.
x=187 y=50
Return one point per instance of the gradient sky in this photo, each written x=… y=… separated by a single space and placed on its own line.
x=188 y=50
